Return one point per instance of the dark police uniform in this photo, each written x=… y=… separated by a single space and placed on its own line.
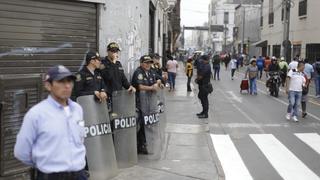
x=113 y=75
x=157 y=73
x=204 y=71
x=147 y=78
x=86 y=83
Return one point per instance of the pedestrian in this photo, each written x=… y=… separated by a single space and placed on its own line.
x=157 y=69
x=113 y=72
x=172 y=66
x=316 y=76
x=143 y=80
x=295 y=82
x=294 y=63
x=305 y=89
x=216 y=66
x=227 y=59
x=205 y=87
x=189 y=73
x=51 y=138
x=283 y=65
x=260 y=64
x=233 y=66
x=267 y=62
x=89 y=80
x=252 y=73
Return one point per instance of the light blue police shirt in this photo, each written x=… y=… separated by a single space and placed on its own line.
x=50 y=139
x=308 y=70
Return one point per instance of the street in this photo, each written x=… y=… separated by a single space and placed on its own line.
x=252 y=138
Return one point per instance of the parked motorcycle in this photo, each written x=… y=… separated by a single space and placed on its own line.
x=274 y=83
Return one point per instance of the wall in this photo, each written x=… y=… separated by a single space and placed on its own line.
x=128 y=26
x=302 y=30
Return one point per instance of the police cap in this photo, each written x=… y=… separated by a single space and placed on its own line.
x=145 y=58
x=58 y=72
x=92 y=55
x=113 y=47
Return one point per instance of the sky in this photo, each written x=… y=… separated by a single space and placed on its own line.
x=194 y=12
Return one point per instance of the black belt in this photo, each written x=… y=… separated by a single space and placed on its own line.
x=74 y=175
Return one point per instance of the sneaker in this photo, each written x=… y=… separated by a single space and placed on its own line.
x=288 y=116
x=295 y=119
x=199 y=114
x=202 y=116
x=304 y=115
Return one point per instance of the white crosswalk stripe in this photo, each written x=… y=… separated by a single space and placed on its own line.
x=311 y=139
x=283 y=160
x=232 y=164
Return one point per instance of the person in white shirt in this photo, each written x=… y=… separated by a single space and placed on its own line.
x=295 y=82
x=293 y=64
x=233 y=66
x=172 y=66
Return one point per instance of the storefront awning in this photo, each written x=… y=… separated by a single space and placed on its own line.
x=263 y=43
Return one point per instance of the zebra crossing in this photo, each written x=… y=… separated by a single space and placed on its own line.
x=286 y=164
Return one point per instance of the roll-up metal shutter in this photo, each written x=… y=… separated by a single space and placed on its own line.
x=35 y=35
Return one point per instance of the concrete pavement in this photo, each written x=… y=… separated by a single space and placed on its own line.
x=188 y=152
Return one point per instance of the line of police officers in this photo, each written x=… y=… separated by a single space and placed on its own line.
x=102 y=77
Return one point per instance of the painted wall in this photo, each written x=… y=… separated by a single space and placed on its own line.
x=128 y=26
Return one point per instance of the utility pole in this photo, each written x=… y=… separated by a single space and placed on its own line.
x=225 y=38
x=243 y=28
x=286 y=30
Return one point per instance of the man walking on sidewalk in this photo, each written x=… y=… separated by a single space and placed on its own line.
x=205 y=87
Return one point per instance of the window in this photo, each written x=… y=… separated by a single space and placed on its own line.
x=276 y=50
x=296 y=49
x=226 y=18
x=271 y=13
x=312 y=51
x=302 y=7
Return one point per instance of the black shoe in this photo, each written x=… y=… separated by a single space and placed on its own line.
x=203 y=116
x=189 y=90
x=199 y=114
x=142 y=150
x=304 y=115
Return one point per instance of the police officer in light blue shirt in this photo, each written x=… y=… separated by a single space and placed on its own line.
x=51 y=138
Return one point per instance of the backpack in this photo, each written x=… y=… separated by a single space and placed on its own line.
x=317 y=67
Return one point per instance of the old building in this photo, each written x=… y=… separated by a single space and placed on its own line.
x=303 y=31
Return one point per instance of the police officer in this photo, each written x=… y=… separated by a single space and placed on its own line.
x=143 y=80
x=203 y=80
x=52 y=133
x=113 y=72
x=89 y=80
x=157 y=70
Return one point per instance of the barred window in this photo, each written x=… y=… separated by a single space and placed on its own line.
x=303 y=7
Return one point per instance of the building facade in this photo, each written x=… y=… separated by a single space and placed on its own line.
x=222 y=13
x=303 y=31
x=247 y=29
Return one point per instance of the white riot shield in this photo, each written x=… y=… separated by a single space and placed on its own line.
x=150 y=117
x=163 y=116
x=101 y=157
x=123 y=121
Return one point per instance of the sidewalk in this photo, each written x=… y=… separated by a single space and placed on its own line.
x=188 y=153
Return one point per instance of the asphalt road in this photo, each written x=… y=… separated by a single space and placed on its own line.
x=253 y=140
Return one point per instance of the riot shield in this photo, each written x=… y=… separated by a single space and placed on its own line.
x=101 y=157
x=163 y=117
x=150 y=117
x=123 y=121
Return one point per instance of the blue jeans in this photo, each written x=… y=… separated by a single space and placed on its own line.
x=294 y=102
x=317 y=85
x=253 y=85
x=216 y=72
x=172 y=79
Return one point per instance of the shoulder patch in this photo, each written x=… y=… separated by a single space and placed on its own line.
x=78 y=77
x=140 y=76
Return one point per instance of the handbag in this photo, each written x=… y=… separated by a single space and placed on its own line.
x=208 y=88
